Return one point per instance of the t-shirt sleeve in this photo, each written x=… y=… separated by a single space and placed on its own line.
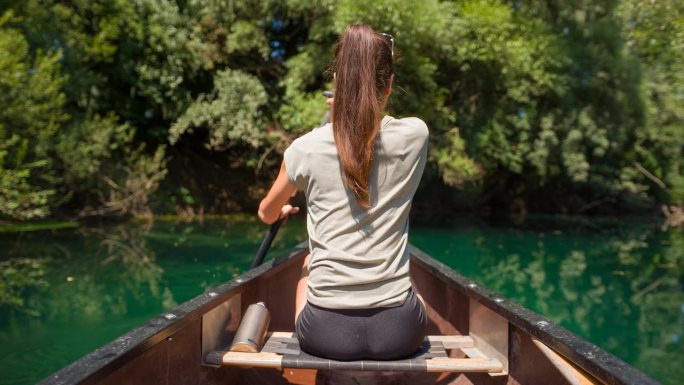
x=420 y=130
x=294 y=166
x=417 y=137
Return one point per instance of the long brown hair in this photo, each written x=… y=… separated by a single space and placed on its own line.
x=363 y=69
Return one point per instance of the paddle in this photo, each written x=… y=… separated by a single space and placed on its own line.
x=266 y=243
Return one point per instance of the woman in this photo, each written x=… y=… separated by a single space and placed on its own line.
x=355 y=299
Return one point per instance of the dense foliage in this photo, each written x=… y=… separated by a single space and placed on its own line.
x=570 y=106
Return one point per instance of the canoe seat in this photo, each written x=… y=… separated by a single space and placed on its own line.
x=281 y=350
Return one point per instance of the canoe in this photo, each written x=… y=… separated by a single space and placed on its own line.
x=176 y=347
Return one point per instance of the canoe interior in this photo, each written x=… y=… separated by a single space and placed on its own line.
x=168 y=350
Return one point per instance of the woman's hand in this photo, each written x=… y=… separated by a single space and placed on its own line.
x=288 y=210
x=330 y=97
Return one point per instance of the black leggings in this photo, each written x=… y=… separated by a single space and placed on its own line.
x=354 y=334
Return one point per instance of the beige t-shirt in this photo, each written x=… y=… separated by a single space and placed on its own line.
x=359 y=257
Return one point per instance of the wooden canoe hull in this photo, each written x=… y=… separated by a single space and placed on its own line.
x=169 y=348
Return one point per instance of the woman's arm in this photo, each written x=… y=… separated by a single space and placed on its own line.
x=274 y=206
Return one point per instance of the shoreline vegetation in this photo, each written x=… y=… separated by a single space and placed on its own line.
x=118 y=109
x=515 y=221
x=22 y=227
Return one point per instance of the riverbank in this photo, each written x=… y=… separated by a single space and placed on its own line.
x=418 y=216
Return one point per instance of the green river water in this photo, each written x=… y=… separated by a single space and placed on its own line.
x=63 y=293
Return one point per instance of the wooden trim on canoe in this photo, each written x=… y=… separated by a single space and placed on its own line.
x=572 y=374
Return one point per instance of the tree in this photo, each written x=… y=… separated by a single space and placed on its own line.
x=553 y=105
x=654 y=36
x=32 y=99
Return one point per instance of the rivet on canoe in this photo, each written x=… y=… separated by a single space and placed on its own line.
x=498 y=300
x=239 y=280
x=212 y=294
x=472 y=285
x=543 y=323
x=170 y=316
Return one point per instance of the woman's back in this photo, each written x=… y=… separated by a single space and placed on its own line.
x=358 y=254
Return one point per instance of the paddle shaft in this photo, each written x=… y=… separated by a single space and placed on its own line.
x=266 y=243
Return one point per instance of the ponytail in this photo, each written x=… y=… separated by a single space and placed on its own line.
x=363 y=69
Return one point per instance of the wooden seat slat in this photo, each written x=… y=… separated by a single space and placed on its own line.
x=281 y=350
x=453 y=342
x=473 y=353
x=483 y=365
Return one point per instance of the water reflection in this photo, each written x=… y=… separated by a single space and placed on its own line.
x=90 y=275
x=19 y=278
x=64 y=293
x=618 y=286
x=79 y=288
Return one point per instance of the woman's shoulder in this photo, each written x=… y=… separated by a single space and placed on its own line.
x=313 y=139
x=411 y=125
